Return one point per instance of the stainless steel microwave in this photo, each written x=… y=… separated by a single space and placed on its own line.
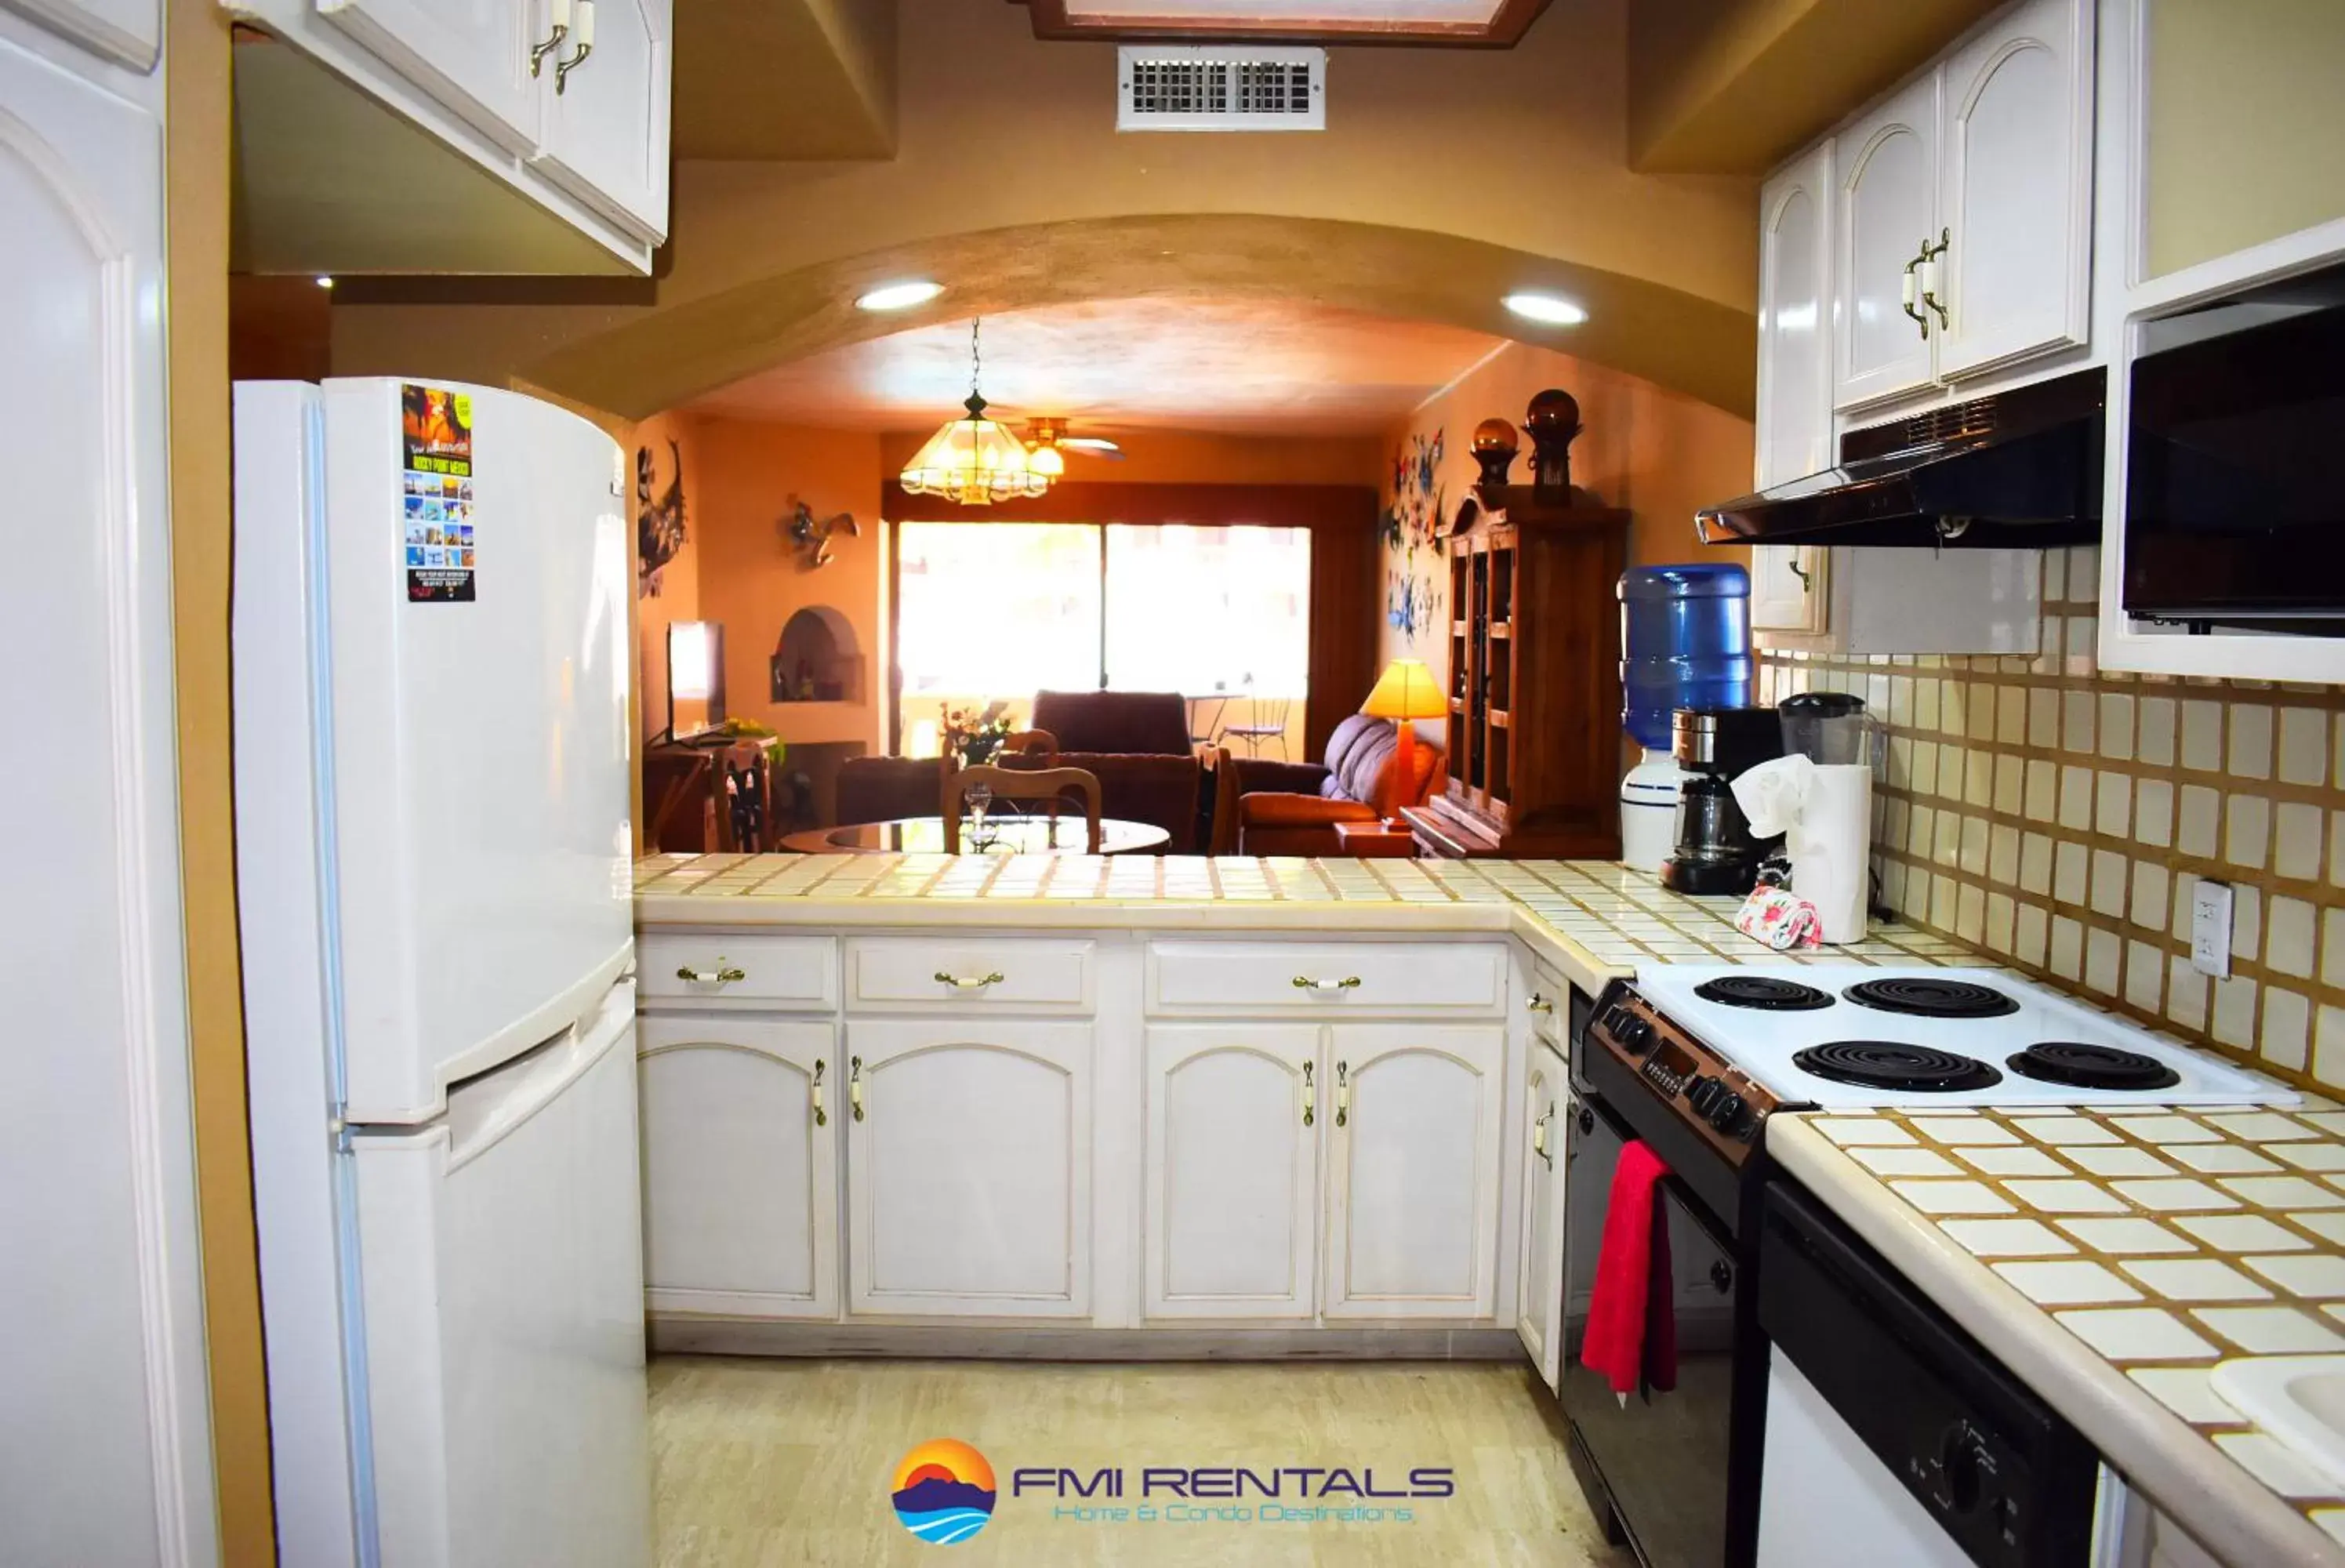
x=2235 y=467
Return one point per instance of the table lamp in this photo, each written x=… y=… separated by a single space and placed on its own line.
x=1407 y=691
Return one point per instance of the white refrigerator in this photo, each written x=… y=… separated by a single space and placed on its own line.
x=430 y=656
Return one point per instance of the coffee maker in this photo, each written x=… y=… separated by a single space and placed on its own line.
x=1716 y=853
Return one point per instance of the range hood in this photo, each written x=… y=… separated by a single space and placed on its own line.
x=2017 y=469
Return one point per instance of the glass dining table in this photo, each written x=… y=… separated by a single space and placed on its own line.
x=1002 y=834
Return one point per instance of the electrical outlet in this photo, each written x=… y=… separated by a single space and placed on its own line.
x=2210 y=929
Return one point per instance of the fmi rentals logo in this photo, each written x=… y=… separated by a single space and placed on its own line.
x=1233 y=1494
x=943 y=1491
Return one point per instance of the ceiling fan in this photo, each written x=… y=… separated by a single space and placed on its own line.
x=1050 y=437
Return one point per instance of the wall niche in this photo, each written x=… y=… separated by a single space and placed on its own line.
x=818 y=659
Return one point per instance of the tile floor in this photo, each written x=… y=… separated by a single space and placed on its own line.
x=781 y=1461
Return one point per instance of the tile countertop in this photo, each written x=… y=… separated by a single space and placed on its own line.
x=1593 y=920
x=2110 y=1261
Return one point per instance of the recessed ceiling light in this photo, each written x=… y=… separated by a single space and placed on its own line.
x=900 y=296
x=1546 y=308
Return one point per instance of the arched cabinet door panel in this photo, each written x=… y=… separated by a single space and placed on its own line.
x=1886 y=205
x=1413 y=1170
x=1233 y=1171
x=105 y=1454
x=2017 y=186
x=740 y=1140
x=969 y=1159
x=606 y=130
x=1539 y=1311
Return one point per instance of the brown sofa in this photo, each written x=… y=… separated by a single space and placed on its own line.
x=1292 y=808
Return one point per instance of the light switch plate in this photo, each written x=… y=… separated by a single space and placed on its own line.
x=2210 y=929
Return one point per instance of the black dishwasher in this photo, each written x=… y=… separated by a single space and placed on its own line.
x=2004 y=1477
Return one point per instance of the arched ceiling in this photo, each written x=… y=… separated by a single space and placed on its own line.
x=1244 y=367
x=653 y=361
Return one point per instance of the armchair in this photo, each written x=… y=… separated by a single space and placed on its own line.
x=1292 y=808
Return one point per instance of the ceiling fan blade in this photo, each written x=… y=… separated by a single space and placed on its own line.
x=1093 y=447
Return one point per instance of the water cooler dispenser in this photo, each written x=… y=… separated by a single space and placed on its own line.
x=1685 y=643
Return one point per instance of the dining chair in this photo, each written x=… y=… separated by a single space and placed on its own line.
x=1268 y=723
x=1048 y=785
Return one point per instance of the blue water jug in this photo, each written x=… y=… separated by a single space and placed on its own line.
x=1685 y=643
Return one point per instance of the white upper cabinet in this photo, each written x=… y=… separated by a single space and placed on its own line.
x=1795 y=402
x=1795 y=393
x=1234 y=1120
x=472 y=55
x=1413 y=1157
x=130 y=31
x=1887 y=208
x=606 y=114
x=740 y=1158
x=969 y=1159
x=2016 y=174
x=1964 y=212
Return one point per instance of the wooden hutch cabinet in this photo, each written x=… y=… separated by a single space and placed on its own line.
x=1534 y=737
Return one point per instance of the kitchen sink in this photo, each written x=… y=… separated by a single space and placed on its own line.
x=2300 y=1400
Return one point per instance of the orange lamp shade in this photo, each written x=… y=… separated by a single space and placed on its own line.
x=1407 y=690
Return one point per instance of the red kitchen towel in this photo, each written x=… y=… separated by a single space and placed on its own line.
x=1631 y=1331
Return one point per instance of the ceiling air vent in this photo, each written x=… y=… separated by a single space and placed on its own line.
x=1220 y=87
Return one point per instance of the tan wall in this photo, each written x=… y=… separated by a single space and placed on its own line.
x=1658 y=454
x=1521 y=149
x=2058 y=817
x=2246 y=142
x=750 y=579
x=198 y=174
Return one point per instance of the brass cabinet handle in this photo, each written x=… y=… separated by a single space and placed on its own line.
x=855 y=1086
x=725 y=973
x=1930 y=254
x=1911 y=292
x=1310 y=1097
x=582 y=33
x=1540 y=1004
x=1807 y=583
x=967 y=982
x=561 y=30
x=1343 y=1094
x=821 y=1116
x=1305 y=983
x=1538 y=1138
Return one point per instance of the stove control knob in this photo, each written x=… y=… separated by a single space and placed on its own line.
x=1725 y=1110
x=1635 y=1035
x=1701 y=1093
x=1962 y=1468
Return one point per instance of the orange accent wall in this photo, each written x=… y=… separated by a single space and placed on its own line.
x=1182 y=456
x=747 y=474
x=1656 y=453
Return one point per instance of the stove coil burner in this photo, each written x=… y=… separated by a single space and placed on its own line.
x=1764 y=992
x=1924 y=998
x=1894 y=1065
x=2079 y=1065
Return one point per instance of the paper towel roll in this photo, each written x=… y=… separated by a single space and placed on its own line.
x=1831 y=849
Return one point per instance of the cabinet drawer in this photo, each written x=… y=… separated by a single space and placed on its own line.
x=1347 y=977
x=768 y=971
x=925 y=973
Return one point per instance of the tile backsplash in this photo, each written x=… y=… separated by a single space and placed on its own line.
x=2059 y=817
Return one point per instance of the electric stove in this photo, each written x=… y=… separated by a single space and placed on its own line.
x=1845 y=1036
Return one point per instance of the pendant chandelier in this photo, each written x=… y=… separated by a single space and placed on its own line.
x=974 y=461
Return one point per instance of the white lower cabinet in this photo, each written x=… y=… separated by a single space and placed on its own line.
x=968 y=1167
x=740 y=1138
x=1413 y=1164
x=1232 y=1226
x=1538 y=1307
